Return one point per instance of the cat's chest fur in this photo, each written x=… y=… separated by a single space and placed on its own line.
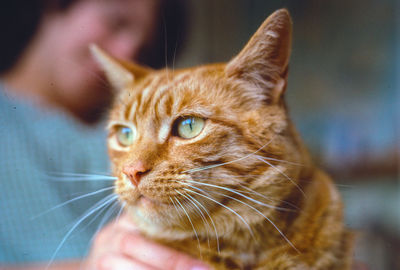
x=232 y=252
x=208 y=161
x=229 y=256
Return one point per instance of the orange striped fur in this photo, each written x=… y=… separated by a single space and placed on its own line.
x=267 y=206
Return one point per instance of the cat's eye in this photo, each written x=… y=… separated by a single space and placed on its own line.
x=189 y=127
x=124 y=135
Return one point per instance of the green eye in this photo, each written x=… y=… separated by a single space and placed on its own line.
x=189 y=127
x=124 y=136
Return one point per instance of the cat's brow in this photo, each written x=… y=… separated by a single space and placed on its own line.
x=141 y=99
x=147 y=96
x=163 y=131
x=151 y=92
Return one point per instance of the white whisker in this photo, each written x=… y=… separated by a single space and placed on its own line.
x=174 y=56
x=72 y=200
x=272 y=200
x=120 y=211
x=240 y=194
x=229 y=162
x=285 y=175
x=95 y=205
x=106 y=218
x=176 y=208
x=251 y=191
x=190 y=220
x=212 y=221
x=226 y=207
x=118 y=216
x=281 y=160
x=104 y=209
x=268 y=219
x=80 y=177
x=207 y=226
x=111 y=198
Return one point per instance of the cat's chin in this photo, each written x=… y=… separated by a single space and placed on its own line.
x=149 y=204
x=160 y=220
x=154 y=218
x=149 y=210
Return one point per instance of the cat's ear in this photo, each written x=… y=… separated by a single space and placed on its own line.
x=263 y=63
x=119 y=74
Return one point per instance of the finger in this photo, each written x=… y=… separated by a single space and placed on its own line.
x=158 y=256
x=119 y=262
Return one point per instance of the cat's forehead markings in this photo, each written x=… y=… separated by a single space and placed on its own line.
x=122 y=110
x=161 y=91
x=134 y=99
x=132 y=110
x=150 y=97
x=153 y=94
x=168 y=82
x=147 y=95
x=150 y=87
x=182 y=77
x=123 y=104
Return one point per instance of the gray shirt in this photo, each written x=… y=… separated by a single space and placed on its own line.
x=35 y=144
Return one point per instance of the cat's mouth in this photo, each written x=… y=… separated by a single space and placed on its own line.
x=140 y=197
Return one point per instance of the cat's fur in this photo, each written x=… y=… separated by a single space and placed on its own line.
x=270 y=207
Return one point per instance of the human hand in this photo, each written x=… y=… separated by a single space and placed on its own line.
x=120 y=246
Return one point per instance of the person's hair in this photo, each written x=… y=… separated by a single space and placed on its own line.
x=19 y=20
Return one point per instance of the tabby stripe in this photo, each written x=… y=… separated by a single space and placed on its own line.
x=131 y=111
x=159 y=86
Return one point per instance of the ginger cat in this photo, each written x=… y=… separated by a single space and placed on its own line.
x=209 y=163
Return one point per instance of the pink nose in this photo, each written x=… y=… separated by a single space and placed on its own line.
x=135 y=171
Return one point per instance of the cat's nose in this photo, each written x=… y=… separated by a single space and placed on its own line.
x=135 y=171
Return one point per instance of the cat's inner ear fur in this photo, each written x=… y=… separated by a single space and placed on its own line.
x=262 y=65
x=118 y=75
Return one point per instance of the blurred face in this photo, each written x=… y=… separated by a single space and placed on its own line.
x=121 y=27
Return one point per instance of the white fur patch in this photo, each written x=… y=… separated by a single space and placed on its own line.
x=127 y=182
x=145 y=93
x=163 y=131
x=132 y=111
x=272 y=34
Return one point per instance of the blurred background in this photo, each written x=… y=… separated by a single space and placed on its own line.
x=343 y=95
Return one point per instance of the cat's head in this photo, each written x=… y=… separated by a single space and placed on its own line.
x=213 y=140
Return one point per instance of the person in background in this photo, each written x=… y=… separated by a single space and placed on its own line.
x=44 y=53
x=52 y=99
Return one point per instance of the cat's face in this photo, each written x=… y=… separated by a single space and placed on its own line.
x=210 y=142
